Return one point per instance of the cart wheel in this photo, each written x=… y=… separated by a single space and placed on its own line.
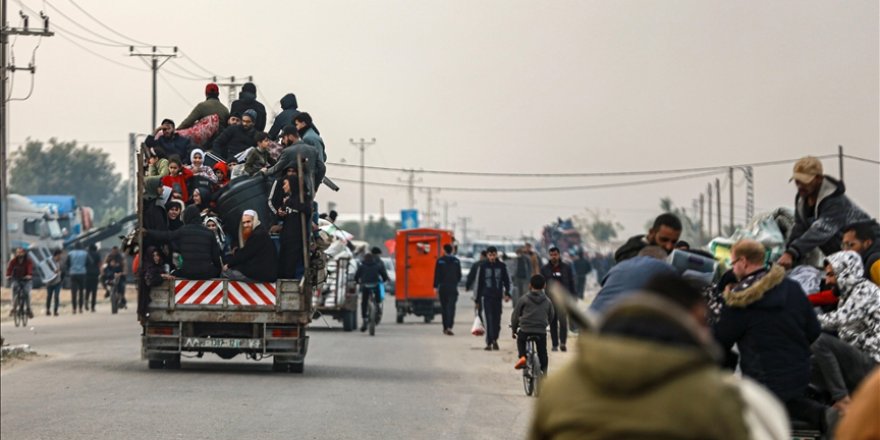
x=348 y=323
x=429 y=318
x=400 y=315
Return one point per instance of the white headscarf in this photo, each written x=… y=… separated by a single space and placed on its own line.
x=194 y=152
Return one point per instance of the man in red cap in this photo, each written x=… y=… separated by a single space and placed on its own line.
x=210 y=106
x=822 y=211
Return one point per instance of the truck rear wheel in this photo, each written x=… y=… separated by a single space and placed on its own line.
x=298 y=367
x=349 y=320
x=401 y=313
x=155 y=365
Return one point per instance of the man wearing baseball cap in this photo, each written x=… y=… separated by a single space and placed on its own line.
x=822 y=211
x=210 y=106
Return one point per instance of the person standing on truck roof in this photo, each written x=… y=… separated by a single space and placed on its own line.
x=77 y=261
x=196 y=244
x=370 y=273
x=309 y=134
x=247 y=100
x=314 y=165
x=288 y=112
x=493 y=284
x=664 y=233
x=210 y=106
x=166 y=138
x=93 y=272
x=447 y=274
x=255 y=258
x=822 y=211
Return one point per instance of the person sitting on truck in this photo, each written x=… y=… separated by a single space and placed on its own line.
x=254 y=259
x=259 y=158
x=177 y=178
x=861 y=238
x=210 y=106
x=214 y=225
x=196 y=245
x=370 y=273
x=174 y=208
x=158 y=162
x=198 y=167
x=235 y=139
x=166 y=138
x=21 y=271
x=309 y=133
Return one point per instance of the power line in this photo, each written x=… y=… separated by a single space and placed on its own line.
x=186 y=56
x=174 y=89
x=111 y=41
x=539 y=189
x=715 y=169
x=863 y=159
x=195 y=76
x=105 y=26
x=99 y=55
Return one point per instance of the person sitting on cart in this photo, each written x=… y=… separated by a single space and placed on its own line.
x=530 y=318
x=370 y=273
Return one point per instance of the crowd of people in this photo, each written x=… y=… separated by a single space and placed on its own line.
x=191 y=166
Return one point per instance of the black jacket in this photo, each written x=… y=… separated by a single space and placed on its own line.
x=562 y=274
x=176 y=144
x=93 y=264
x=248 y=101
x=493 y=280
x=314 y=166
x=770 y=319
x=288 y=112
x=371 y=271
x=232 y=141
x=447 y=272
x=258 y=259
x=196 y=244
x=630 y=249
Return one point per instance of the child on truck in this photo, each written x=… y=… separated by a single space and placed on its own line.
x=531 y=316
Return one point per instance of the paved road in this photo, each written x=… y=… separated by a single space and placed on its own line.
x=409 y=381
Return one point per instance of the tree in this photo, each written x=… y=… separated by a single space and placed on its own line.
x=64 y=168
x=598 y=226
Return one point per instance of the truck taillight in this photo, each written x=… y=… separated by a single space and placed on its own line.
x=285 y=332
x=160 y=331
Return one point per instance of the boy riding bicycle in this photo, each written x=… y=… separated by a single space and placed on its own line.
x=531 y=316
x=21 y=271
x=370 y=273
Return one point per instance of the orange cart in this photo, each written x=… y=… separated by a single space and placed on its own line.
x=416 y=254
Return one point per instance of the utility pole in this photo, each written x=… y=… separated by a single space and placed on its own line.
x=702 y=221
x=446 y=205
x=709 y=223
x=429 y=214
x=362 y=145
x=718 y=204
x=410 y=182
x=464 y=228
x=750 y=193
x=5 y=32
x=730 y=176
x=154 y=57
x=840 y=160
x=233 y=86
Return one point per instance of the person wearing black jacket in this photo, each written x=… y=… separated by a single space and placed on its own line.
x=447 y=274
x=370 y=273
x=288 y=112
x=236 y=138
x=196 y=244
x=560 y=272
x=287 y=207
x=154 y=219
x=256 y=258
x=93 y=273
x=665 y=233
x=493 y=284
x=769 y=318
x=247 y=100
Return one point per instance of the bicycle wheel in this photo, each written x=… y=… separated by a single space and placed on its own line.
x=16 y=310
x=372 y=324
x=114 y=300
x=529 y=373
x=536 y=372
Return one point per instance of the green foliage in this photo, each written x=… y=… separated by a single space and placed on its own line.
x=65 y=168
x=599 y=226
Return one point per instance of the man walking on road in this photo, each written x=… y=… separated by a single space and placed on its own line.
x=561 y=273
x=493 y=284
x=77 y=260
x=526 y=266
x=447 y=274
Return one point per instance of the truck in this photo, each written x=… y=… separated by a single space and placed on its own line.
x=416 y=254
x=31 y=225
x=227 y=317
x=73 y=219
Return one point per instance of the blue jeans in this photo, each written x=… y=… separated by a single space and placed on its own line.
x=53 y=292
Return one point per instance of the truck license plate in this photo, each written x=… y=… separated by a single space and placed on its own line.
x=222 y=343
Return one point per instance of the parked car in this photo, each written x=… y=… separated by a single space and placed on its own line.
x=466 y=264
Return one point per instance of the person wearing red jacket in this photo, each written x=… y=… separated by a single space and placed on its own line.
x=21 y=270
x=176 y=179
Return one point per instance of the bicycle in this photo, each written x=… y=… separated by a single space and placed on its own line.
x=19 y=306
x=117 y=294
x=532 y=374
x=374 y=308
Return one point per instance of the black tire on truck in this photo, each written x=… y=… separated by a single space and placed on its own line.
x=348 y=321
x=155 y=365
x=298 y=367
x=173 y=364
x=401 y=313
x=242 y=194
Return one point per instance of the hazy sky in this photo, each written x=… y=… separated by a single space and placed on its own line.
x=501 y=86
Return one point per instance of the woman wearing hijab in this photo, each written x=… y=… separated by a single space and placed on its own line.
x=198 y=167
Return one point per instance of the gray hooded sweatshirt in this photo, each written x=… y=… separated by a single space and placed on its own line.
x=532 y=313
